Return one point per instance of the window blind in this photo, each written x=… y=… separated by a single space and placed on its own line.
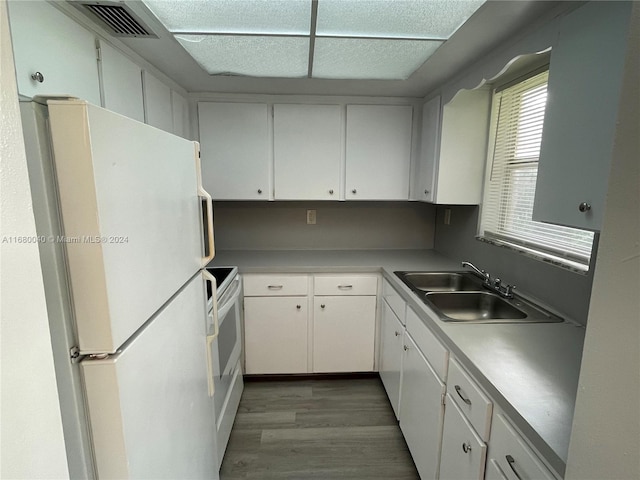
x=518 y=116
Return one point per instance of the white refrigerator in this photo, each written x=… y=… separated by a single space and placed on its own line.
x=120 y=230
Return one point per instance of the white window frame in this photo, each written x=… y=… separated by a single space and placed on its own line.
x=506 y=221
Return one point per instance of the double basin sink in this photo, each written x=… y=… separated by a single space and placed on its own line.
x=462 y=297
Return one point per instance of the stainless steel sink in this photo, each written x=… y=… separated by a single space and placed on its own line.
x=461 y=297
x=441 y=281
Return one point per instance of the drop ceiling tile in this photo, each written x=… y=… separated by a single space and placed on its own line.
x=434 y=19
x=249 y=55
x=288 y=17
x=349 y=58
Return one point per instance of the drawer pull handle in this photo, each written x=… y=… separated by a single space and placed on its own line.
x=466 y=447
x=345 y=287
x=275 y=287
x=511 y=462
x=465 y=400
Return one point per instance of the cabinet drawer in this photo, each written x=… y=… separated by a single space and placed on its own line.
x=394 y=300
x=472 y=401
x=275 y=285
x=345 y=285
x=463 y=452
x=430 y=346
x=512 y=455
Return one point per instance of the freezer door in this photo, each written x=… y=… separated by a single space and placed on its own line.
x=149 y=408
x=131 y=218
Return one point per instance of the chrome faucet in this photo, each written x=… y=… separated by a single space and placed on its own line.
x=495 y=284
x=482 y=273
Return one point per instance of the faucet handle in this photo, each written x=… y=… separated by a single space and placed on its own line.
x=508 y=290
x=497 y=282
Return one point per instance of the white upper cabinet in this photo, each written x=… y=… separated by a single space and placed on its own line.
x=121 y=83
x=157 y=103
x=378 y=152
x=585 y=75
x=307 y=143
x=235 y=144
x=55 y=50
x=453 y=149
x=180 y=109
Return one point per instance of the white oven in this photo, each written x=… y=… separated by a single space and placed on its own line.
x=226 y=350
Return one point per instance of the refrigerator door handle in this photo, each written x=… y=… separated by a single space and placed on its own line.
x=213 y=337
x=202 y=193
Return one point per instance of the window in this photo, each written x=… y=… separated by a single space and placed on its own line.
x=517 y=118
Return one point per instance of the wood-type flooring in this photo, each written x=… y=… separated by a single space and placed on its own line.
x=316 y=429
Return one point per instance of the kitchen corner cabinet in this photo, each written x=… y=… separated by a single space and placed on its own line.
x=378 y=152
x=453 y=149
x=307 y=143
x=585 y=76
x=344 y=323
x=47 y=42
x=275 y=323
x=234 y=145
x=157 y=103
x=121 y=83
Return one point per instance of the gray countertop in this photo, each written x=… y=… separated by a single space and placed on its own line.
x=530 y=370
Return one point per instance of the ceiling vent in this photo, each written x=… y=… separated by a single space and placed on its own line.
x=117 y=17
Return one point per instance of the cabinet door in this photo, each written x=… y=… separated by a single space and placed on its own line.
x=585 y=75
x=429 y=146
x=391 y=356
x=45 y=40
x=157 y=103
x=343 y=333
x=421 y=410
x=121 y=83
x=378 y=153
x=463 y=451
x=234 y=144
x=275 y=331
x=307 y=143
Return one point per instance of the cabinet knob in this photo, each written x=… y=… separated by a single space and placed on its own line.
x=426 y=192
x=405 y=347
x=397 y=334
x=259 y=191
x=322 y=306
x=354 y=191
x=331 y=192
x=298 y=307
x=584 y=207
x=466 y=448
x=38 y=77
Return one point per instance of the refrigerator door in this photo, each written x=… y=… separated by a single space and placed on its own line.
x=131 y=218
x=149 y=407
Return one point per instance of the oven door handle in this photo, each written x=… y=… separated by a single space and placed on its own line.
x=229 y=301
x=216 y=329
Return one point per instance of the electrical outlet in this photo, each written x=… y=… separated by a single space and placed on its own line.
x=311 y=217
x=447 y=216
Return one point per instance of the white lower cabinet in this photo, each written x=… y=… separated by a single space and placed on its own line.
x=510 y=454
x=275 y=334
x=463 y=451
x=390 y=368
x=275 y=323
x=282 y=336
x=421 y=409
x=343 y=333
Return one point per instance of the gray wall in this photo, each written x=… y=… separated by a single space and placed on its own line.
x=567 y=291
x=340 y=225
